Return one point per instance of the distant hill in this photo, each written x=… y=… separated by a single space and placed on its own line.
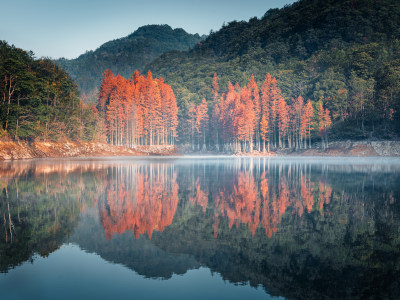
x=346 y=52
x=125 y=55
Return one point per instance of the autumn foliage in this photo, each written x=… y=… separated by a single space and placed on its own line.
x=138 y=111
x=248 y=118
x=143 y=111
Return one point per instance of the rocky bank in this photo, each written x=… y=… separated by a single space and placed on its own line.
x=355 y=148
x=23 y=150
x=10 y=150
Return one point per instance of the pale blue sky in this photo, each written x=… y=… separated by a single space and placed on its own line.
x=58 y=28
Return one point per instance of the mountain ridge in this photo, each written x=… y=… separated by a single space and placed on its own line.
x=124 y=55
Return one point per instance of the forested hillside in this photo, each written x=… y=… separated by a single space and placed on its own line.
x=40 y=101
x=313 y=71
x=344 y=54
x=125 y=55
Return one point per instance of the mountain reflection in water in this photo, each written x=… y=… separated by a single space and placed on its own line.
x=299 y=228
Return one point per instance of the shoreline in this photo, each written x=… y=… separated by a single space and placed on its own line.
x=335 y=149
x=10 y=150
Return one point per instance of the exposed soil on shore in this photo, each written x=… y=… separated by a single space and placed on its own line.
x=10 y=150
x=342 y=148
x=349 y=148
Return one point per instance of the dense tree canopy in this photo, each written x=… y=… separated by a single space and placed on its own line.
x=141 y=110
x=39 y=100
x=248 y=118
x=344 y=52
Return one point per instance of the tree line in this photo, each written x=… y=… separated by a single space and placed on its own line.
x=40 y=101
x=250 y=118
x=137 y=111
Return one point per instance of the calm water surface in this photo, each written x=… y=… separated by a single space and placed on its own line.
x=211 y=228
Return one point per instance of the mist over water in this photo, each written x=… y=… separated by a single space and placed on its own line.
x=217 y=227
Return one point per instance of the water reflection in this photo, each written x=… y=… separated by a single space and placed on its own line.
x=39 y=206
x=301 y=229
x=139 y=198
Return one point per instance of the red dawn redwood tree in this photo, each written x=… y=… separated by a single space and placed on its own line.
x=138 y=111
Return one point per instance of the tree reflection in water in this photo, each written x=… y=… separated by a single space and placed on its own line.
x=298 y=228
x=139 y=198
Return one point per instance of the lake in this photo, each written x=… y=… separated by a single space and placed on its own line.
x=200 y=228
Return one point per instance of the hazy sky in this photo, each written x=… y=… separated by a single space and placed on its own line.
x=58 y=28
